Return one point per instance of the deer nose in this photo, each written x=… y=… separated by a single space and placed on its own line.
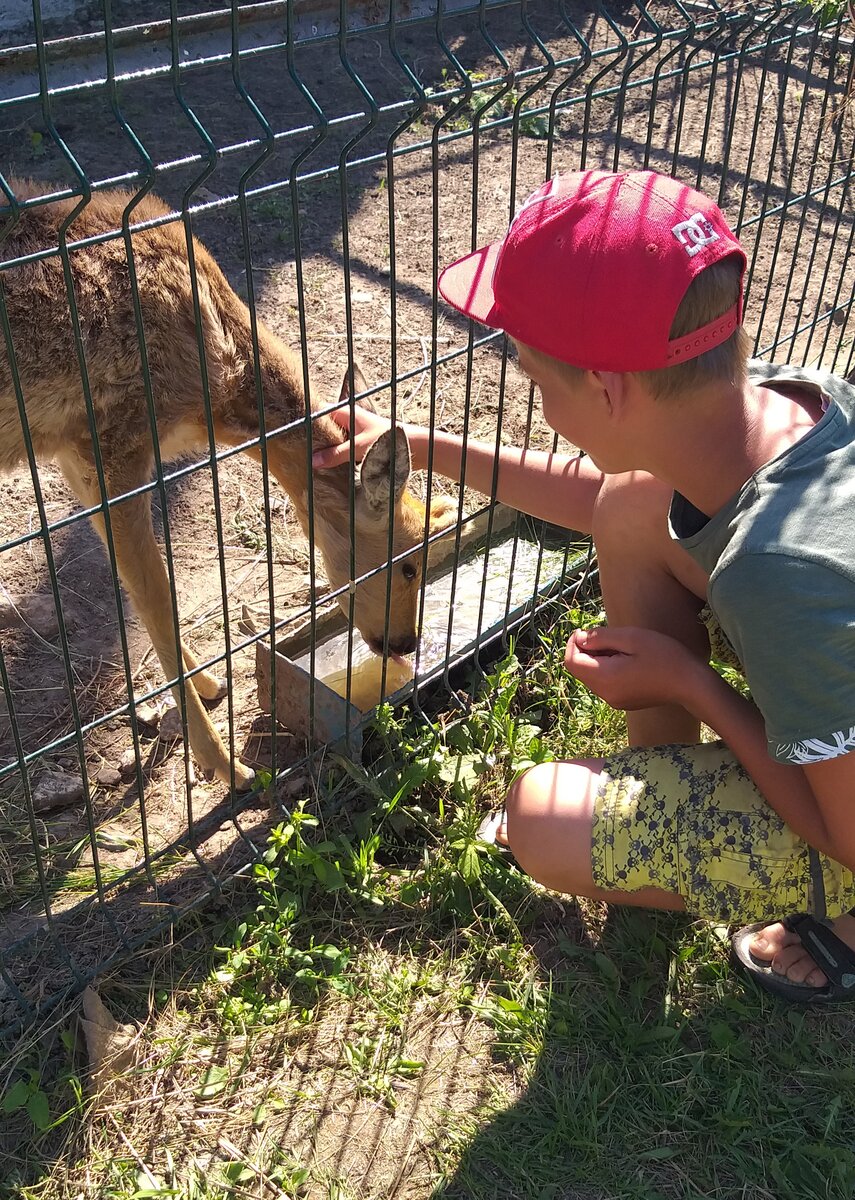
x=405 y=645
x=401 y=645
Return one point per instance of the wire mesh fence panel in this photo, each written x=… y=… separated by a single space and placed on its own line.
x=215 y=228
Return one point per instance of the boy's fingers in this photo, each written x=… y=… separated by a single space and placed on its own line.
x=331 y=456
x=587 y=643
x=619 y=639
x=341 y=416
x=591 y=651
x=577 y=660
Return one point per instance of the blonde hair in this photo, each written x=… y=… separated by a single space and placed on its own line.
x=709 y=295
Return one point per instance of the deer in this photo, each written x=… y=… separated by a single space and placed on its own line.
x=41 y=350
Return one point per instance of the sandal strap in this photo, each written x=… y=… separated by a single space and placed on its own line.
x=832 y=955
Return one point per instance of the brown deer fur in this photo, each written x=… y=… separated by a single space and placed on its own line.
x=46 y=359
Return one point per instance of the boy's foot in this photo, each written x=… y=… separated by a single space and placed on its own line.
x=493 y=829
x=786 y=955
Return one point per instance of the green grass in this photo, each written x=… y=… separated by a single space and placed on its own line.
x=829 y=10
x=389 y=1008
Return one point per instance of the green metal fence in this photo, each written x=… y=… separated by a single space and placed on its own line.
x=332 y=156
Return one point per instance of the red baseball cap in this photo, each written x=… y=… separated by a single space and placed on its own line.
x=593 y=269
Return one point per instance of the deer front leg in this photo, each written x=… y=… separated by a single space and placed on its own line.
x=209 y=686
x=143 y=574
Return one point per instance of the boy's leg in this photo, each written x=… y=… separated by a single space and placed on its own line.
x=549 y=817
x=647 y=581
x=571 y=824
x=650 y=582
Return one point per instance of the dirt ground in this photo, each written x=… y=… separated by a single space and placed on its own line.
x=752 y=115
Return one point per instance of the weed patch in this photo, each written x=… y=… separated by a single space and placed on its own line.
x=392 y=1008
x=484 y=104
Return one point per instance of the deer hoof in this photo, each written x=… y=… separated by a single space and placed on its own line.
x=244 y=777
x=210 y=687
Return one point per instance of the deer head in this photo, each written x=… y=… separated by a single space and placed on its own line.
x=380 y=494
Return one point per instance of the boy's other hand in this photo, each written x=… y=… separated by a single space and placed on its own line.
x=631 y=668
x=367 y=427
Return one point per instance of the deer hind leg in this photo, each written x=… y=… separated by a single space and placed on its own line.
x=143 y=574
x=82 y=478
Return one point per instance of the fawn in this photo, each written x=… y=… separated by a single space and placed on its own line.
x=45 y=356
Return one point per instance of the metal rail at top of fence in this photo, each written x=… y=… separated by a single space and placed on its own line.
x=333 y=157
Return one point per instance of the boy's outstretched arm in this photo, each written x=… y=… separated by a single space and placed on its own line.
x=637 y=668
x=558 y=488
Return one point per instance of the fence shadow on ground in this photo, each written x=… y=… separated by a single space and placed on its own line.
x=761 y=170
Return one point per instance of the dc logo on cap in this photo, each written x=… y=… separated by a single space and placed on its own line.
x=694 y=234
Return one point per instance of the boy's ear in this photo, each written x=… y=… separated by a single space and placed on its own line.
x=613 y=385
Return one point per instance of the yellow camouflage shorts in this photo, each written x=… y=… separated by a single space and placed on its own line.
x=689 y=820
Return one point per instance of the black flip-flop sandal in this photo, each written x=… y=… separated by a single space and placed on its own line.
x=831 y=954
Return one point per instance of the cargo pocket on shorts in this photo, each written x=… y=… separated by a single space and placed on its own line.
x=738 y=860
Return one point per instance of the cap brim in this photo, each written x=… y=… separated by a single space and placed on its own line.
x=468 y=285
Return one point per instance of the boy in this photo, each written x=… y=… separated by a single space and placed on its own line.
x=720 y=498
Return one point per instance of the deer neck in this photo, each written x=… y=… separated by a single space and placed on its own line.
x=289 y=454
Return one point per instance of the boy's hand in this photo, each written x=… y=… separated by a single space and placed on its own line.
x=367 y=427
x=631 y=668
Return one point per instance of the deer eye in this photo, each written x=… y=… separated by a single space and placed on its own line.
x=409 y=571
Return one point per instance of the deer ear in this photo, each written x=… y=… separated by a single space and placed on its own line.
x=391 y=452
x=360 y=385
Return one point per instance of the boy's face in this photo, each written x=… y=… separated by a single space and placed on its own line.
x=573 y=406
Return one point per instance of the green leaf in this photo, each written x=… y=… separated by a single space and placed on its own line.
x=238 y=1172
x=462 y=770
x=660 y=1152
x=213 y=1082
x=721 y=1035
x=328 y=874
x=16 y=1097
x=572 y=949
x=534 y=127
x=512 y=1006
x=606 y=967
x=657 y=1033
x=470 y=864
x=149 y=1184
x=38 y=1110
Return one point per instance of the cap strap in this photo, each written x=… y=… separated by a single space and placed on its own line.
x=705 y=338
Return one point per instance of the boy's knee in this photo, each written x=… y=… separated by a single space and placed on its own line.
x=524 y=794
x=630 y=530
x=548 y=810
x=523 y=805
x=631 y=505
